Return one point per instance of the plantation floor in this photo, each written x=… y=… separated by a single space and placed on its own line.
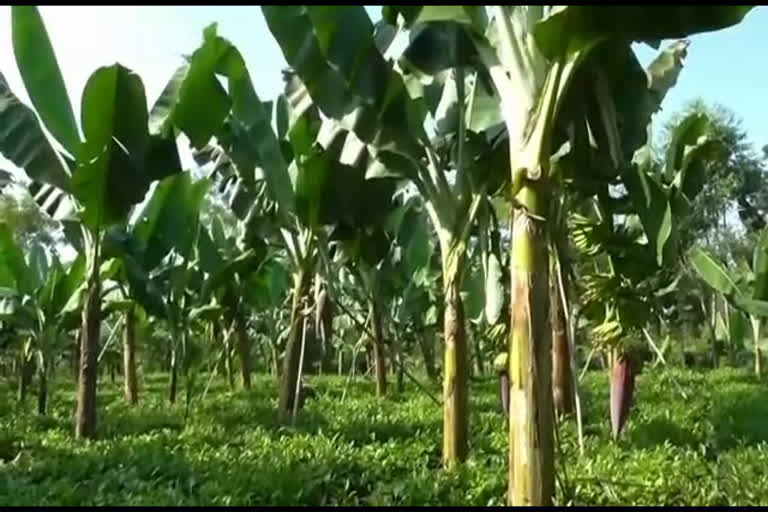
x=692 y=439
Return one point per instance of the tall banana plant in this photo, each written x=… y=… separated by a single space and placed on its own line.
x=631 y=238
x=484 y=292
x=547 y=52
x=256 y=177
x=351 y=72
x=39 y=298
x=278 y=180
x=745 y=287
x=531 y=54
x=230 y=268
x=415 y=280
x=367 y=252
x=101 y=167
x=383 y=246
x=155 y=255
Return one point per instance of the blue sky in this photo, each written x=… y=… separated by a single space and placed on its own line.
x=726 y=67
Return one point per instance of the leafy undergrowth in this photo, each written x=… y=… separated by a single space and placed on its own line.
x=692 y=439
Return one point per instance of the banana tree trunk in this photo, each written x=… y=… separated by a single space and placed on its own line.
x=76 y=355
x=324 y=329
x=187 y=381
x=531 y=443
x=756 y=339
x=228 y=363
x=174 y=376
x=397 y=350
x=300 y=393
x=714 y=331
x=262 y=352
x=732 y=346
x=42 y=376
x=25 y=376
x=275 y=359
x=455 y=372
x=85 y=419
x=287 y=393
x=427 y=345
x=368 y=360
x=478 y=351
x=130 y=383
x=243 y=350
x=228 y=359
x=379 y=363
x=711 y=316
x=708 y=320
x=562 y=394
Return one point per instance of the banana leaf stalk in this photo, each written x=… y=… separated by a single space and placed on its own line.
x=504 y=391
x=500 y=364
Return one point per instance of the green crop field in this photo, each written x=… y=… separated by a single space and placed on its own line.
x=693 y=438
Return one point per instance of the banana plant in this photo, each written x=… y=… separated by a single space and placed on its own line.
x=745 y=287
x=366 y=255
x=634 y=237
x=99 y=169
x=278 y=180
x=416 y=281
x=40 y=298
x=364 y=88
x=156 y=256
x=383 y=243
x=131 y=318
x=635 y=231
x=531 y=54
x=356 y=209
x=267 y=292
x=534 y=55
x=483 y=292
x=229 y=266
x=564 y=385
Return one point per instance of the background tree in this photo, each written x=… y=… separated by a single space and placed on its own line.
x=734 y=196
